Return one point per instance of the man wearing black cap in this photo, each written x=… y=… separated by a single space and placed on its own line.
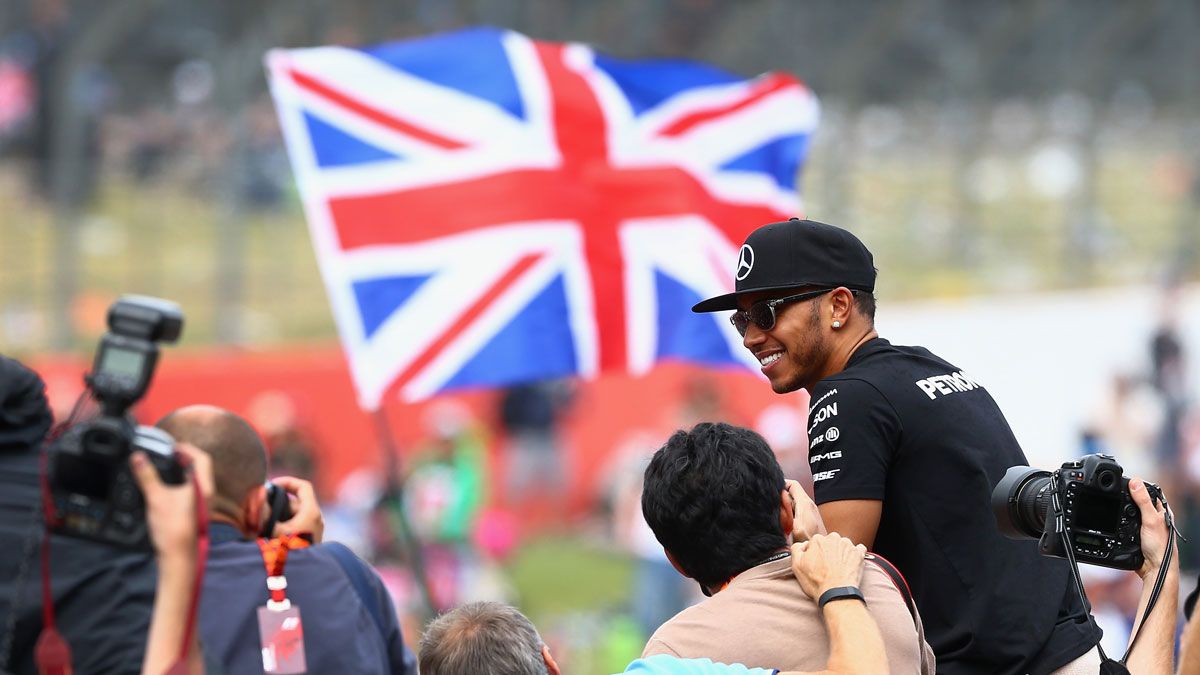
x=905 y=449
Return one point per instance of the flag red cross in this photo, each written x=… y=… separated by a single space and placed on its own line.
x=585 y=187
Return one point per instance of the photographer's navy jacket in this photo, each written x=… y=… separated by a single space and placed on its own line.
x=347 y=629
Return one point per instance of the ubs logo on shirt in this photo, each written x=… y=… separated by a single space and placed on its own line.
x=942 y=385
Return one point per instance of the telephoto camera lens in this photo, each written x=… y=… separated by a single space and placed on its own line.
x=1021 y=501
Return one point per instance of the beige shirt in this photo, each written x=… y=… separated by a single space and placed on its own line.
x=763 y=619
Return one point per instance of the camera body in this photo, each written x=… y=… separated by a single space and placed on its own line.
x=279 y=509
x=92 y=488
x=1101 y=522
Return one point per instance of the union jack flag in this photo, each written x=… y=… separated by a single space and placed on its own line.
x=487 y=208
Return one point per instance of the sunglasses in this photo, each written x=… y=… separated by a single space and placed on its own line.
x=762 y=314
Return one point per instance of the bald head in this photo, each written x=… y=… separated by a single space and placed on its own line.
x=239 y=457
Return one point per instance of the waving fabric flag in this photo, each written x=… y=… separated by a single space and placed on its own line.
x=488 y=209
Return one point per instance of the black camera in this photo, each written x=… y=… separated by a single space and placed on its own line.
x=92 y=487
x=1101 y=522
x=279 y=509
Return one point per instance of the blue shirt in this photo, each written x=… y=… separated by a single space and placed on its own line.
x=665 y=664
x=340 y=635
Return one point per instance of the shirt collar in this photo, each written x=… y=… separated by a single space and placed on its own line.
x=220 y=533
x=872 y=346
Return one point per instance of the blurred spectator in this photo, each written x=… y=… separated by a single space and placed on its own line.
x=1109 y=592
x=659 y=592
x=701 y=401
x=290 y=447
x=1169 y=373
x=347 y=517
x=49 y=35
x=266 y=176
x=782 y=425
x=154 y=134
x=530 y=415
x=444 y=493
x=1124 y=423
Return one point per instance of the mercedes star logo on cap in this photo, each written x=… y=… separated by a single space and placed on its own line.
x=745 y=261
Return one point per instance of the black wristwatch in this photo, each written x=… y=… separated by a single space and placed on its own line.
x=840 y=593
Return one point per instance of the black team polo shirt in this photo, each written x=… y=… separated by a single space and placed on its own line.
x=904 y=426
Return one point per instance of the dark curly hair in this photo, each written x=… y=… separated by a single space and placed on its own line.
x=711 y=495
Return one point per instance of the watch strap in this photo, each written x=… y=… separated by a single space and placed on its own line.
x=840 y=593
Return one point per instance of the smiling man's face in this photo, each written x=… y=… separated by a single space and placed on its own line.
x=795 y=352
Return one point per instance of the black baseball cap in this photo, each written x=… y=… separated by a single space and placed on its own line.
x=797 y=253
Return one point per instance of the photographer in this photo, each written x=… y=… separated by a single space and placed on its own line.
x=348 y=623
x=102 y=595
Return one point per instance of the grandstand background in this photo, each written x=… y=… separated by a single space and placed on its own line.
x=980 y=148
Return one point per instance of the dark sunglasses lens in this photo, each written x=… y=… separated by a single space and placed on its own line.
x=740 y=321
x=762 y=316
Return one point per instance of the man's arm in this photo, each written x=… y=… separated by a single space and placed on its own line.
x=855 y=643
x=1189 y=651
x=854 y=432
x=806 y=518
x=171 y=518
x=855 y=519
x=1154 y=651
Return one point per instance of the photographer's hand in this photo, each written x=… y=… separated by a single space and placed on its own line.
x=171 y=519
x=828 y=561
x=1154 y=650
x=1154 y=532
x=306 y=511
x=806 y=519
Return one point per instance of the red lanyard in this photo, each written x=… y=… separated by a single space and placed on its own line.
x=275 y=554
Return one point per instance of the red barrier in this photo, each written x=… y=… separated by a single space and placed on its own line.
x=605 y=412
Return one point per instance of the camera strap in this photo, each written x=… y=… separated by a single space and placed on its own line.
x=52 y=654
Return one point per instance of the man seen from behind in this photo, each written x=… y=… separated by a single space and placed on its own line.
x=349 y=623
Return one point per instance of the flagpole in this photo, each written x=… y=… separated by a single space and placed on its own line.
x=394 y=493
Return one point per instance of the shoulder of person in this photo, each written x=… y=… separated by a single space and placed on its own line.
x=656 y=646
x=842 y=388
x=878 y=585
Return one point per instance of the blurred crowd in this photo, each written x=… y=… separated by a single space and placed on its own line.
x=1149 y=420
